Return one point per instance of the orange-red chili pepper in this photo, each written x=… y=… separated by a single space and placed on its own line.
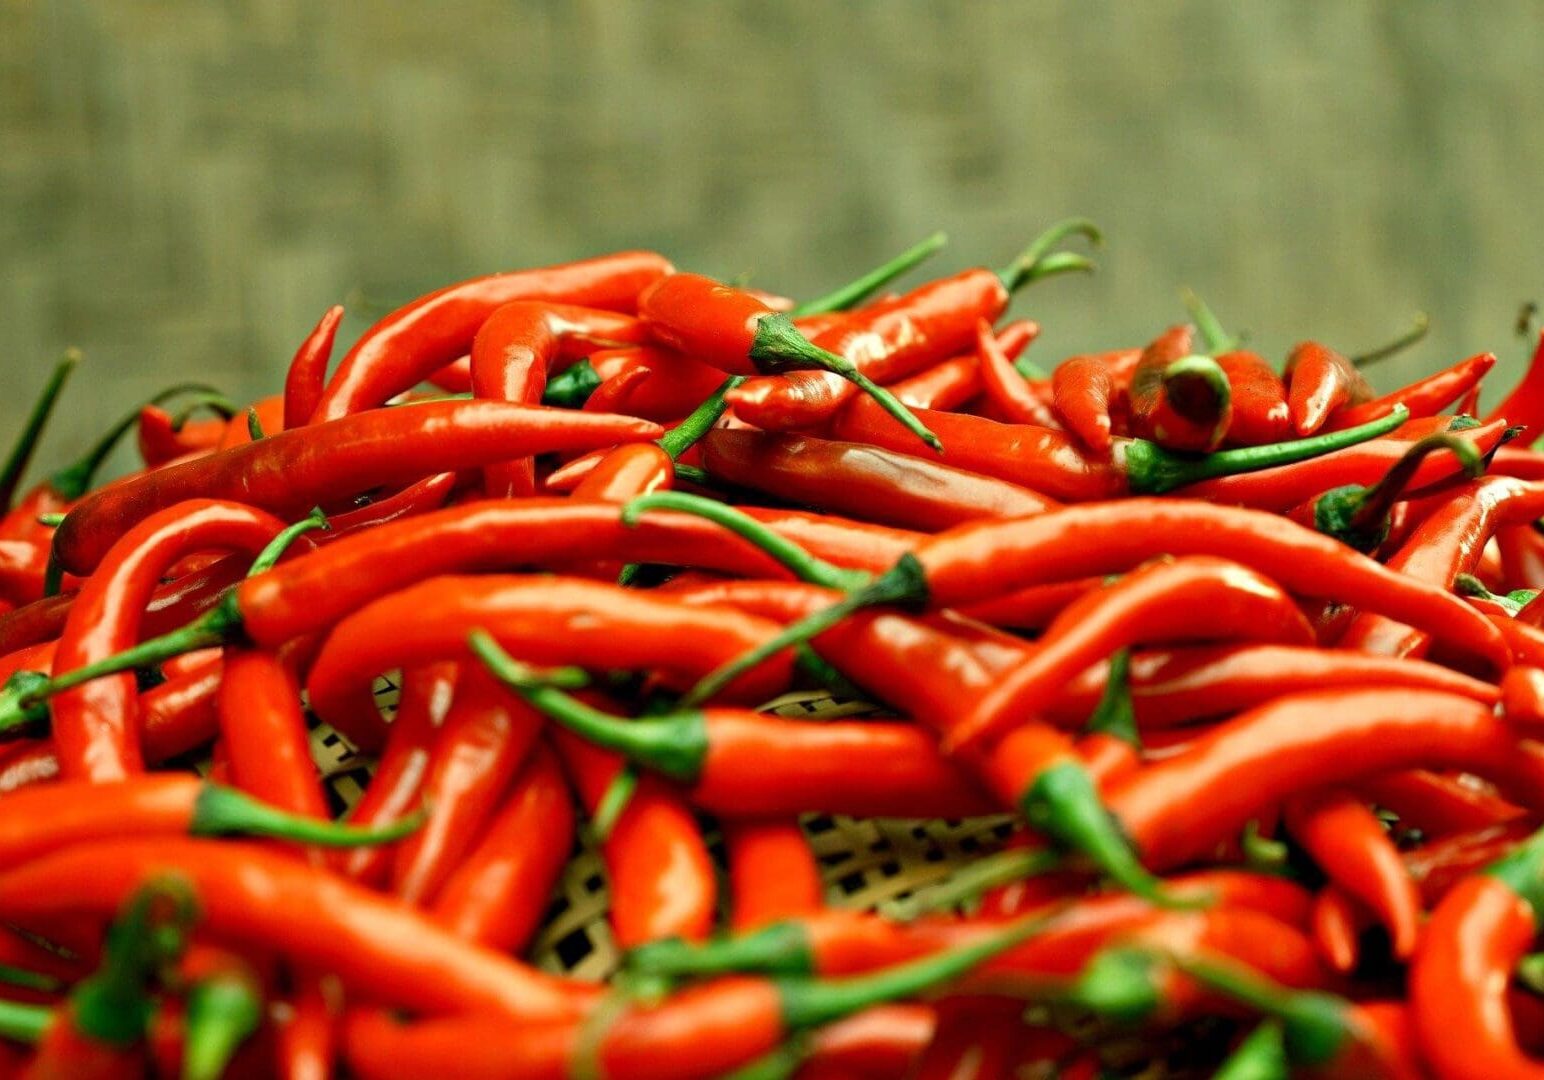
x=306 y=377
x=1085 y=392
x=1320 y=382
x=1179 y=400
x=1524 y=406
x=1424 y=397
x=1260 y=410
x=1012 y=395
x=773 y=874
x=953 y=382
x=265 y=733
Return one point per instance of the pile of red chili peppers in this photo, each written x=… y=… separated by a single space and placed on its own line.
x=1250 y=655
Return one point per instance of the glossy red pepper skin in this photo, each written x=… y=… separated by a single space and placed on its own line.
x=1441 y=865
x=1180 y=806
x=1522 y=698
x=773 y=874
x=673 y=385
x=306 y=377
x=500 y=891
x=662 y=879
x=706 y=320
x=378 y=948
x=864 y=481
x=1337 y=925
x=1424 y=397
x=95 y=725
x=1085 y=394
x=886 y=341
x=23 y=565
x=975 y=561
x=951 y=383
x=293 y=471
x=159 y=438
x=1320 y=381
x=602 y=626
x=625 y=473
x=1012 y=396
x=1522 y=557
x=267 y=413
x=1439 y=805
x=265 y=734
x=1352 y=847
x=411 y=343
x=485 y=738
x=1175 y=416
x=1260 y=411
x=1524 y=406
x=1154 y=603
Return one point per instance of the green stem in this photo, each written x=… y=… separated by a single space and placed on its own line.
x=224 y=811
x=904 y=583
x=255 y=425
x=1418 y=328
x=1063 y=803
x=780 y=948
x=1030 y=370
x=572 y=387
x=1152 y=470
x=807 y=1002
x=675 y=744
x=275 y=548
x=73 y=481
x=24 y=1023
x=1118 y=984
x=1514 y=601
x=1317 y=1026
x=799 y=562
x=1261 y=1056
x=681 y=438
x=779 y=1064
x=1115 y=714
x=1262 y=854
x=1359 y=516
x=974 y=878
x=222 y=1013
x=693 y=474
x=854 y=292
x=1522 y=870
x=1213 y=336
x=779 y=346
x=214 y=401
x=11 y=975
x=1023 y=269
x=614 y=802
x=114 y=1005
x=26 y=443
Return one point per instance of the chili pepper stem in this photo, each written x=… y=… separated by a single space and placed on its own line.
x=1359 y=515
x=1118 y=984
x=29 y=980
x=224 y=811
x=1116 y=714
x=1213 y=336
x=778 y=346
x=699 y=422
x=112 y=1006
x=26 y=443
x=1022 y=270
x=1198 y=388
x=214 y=401
x=222 y=1012
x=254 y=425
x=1152 y=470
x=781 y=948
x=24 y=1023
x=275 y=548
x=977 y=876
x=1261 y=1056
x=572 y=386
x=613 y=802
x=1418 y=328
x=74 y=480
x=857 y=290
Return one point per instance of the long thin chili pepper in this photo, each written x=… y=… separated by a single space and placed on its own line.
x=379 y=949
x=953 y=382
x=734 y=331
x=1013 y=396
x=1338 y=922
x=499 y=892
x=1353 y=848
x=414 y=341
x=26 y=443
x=1260 y=411
x=773 y=874
x=1437 y=804
x=1524 y=406
x=1084 y=393
x=295 y=470
x=265 y=733
x=1320 y=382
x=306 y=377
x=1425 y=397
x=161 y=437
x=747 y=764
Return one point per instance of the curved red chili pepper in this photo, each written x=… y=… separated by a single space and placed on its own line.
x=23 y=567
x=1354 y=850
x=1524 y=406
x=672 y=387
x=1179 y=400
x=295 y=470
x=951 y=383
x=1438 y=866
x=160 y=437
x=1014 y=397
x=1320 y=381
x=1437 y=804
x=96 y=725
x=306 y=376
x=1424 y=397
x=1260 y=410
x=1338 y=922
x=1522 y=556
x=1522 y=698
x=1085 y=393
x=500 y=891
x=412 y=342
x=773 y=874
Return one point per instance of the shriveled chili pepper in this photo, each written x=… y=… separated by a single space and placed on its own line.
x=733 y=331
x=1353 y=848
x=379 y=949
x=1057 y=465
x=1459 y=976
x=1154 y=603
x=746 y=764
x=292 y=471
x=1424 y=397
x=891 y=340
x=412 y=342
x=1180 y=400
x=499 y=892
x=1524 y=406
x=874 y=484
x=306 y=377
x=662 y=878
x=773 y=874
x=1012 y=395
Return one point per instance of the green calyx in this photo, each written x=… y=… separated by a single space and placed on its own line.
x=1152 y=470
x=1513 y=602
x=1261 y=1056
x=782 y=948
x=799 y=562
x=572 y=387
x=859 y=289
x=222 y=1013
x=1213 y=336
x=1198 y=389
x=808 y=1002
x=1418 y=327
x=114 y=1005
x=675 y=744
x=1115 y=715
x=681 y=438
x=779 y=347
x=224 y=811
x=1039 y=261
x=903 y=584
x=1264 y=855
x=1359 y=516
x=255 y=426
x=1063 y=804
x=1522 y=871
x=26 y=444
x=1120 y=985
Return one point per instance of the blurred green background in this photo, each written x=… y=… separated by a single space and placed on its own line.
x=185 y=186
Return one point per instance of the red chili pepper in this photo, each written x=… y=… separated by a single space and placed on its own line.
x=295 y=470
x=265 y=734
x=96 y=727
x=1260 y=411
x=1440 y=865
x=1009 y=391
x=380 y=949
x=1320 y=382
x=627 y=472
x=162 y=437
x=733 y=331
x=951 y=383
x=672 y=385
x=1354 y=850
x=499 y=893
x=773 y=874
x=1522 y=556
x=415 y=340
x=1459 y=977
x=485 y=738
x=427 y=494
x=1424 y=397
x=662 y=879
x=1180 y=400
x=1180 y=806
x=975 y=1040
x=1152 y=604
x=1524 y=406
x=853 y=478
x=1338 y=922
x=23 y=568
x=1086 y=394
x=1439 y=805
x=1032 y=608
x=256 y=421
x=307 y=375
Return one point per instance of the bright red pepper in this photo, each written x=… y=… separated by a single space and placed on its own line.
x=1524 y=406
x=773 y=874
x=1424 y=397
x=1179 y=400
x=307 y=374
x=1012 y=395
x=1320 y=381
x=1260 y=411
